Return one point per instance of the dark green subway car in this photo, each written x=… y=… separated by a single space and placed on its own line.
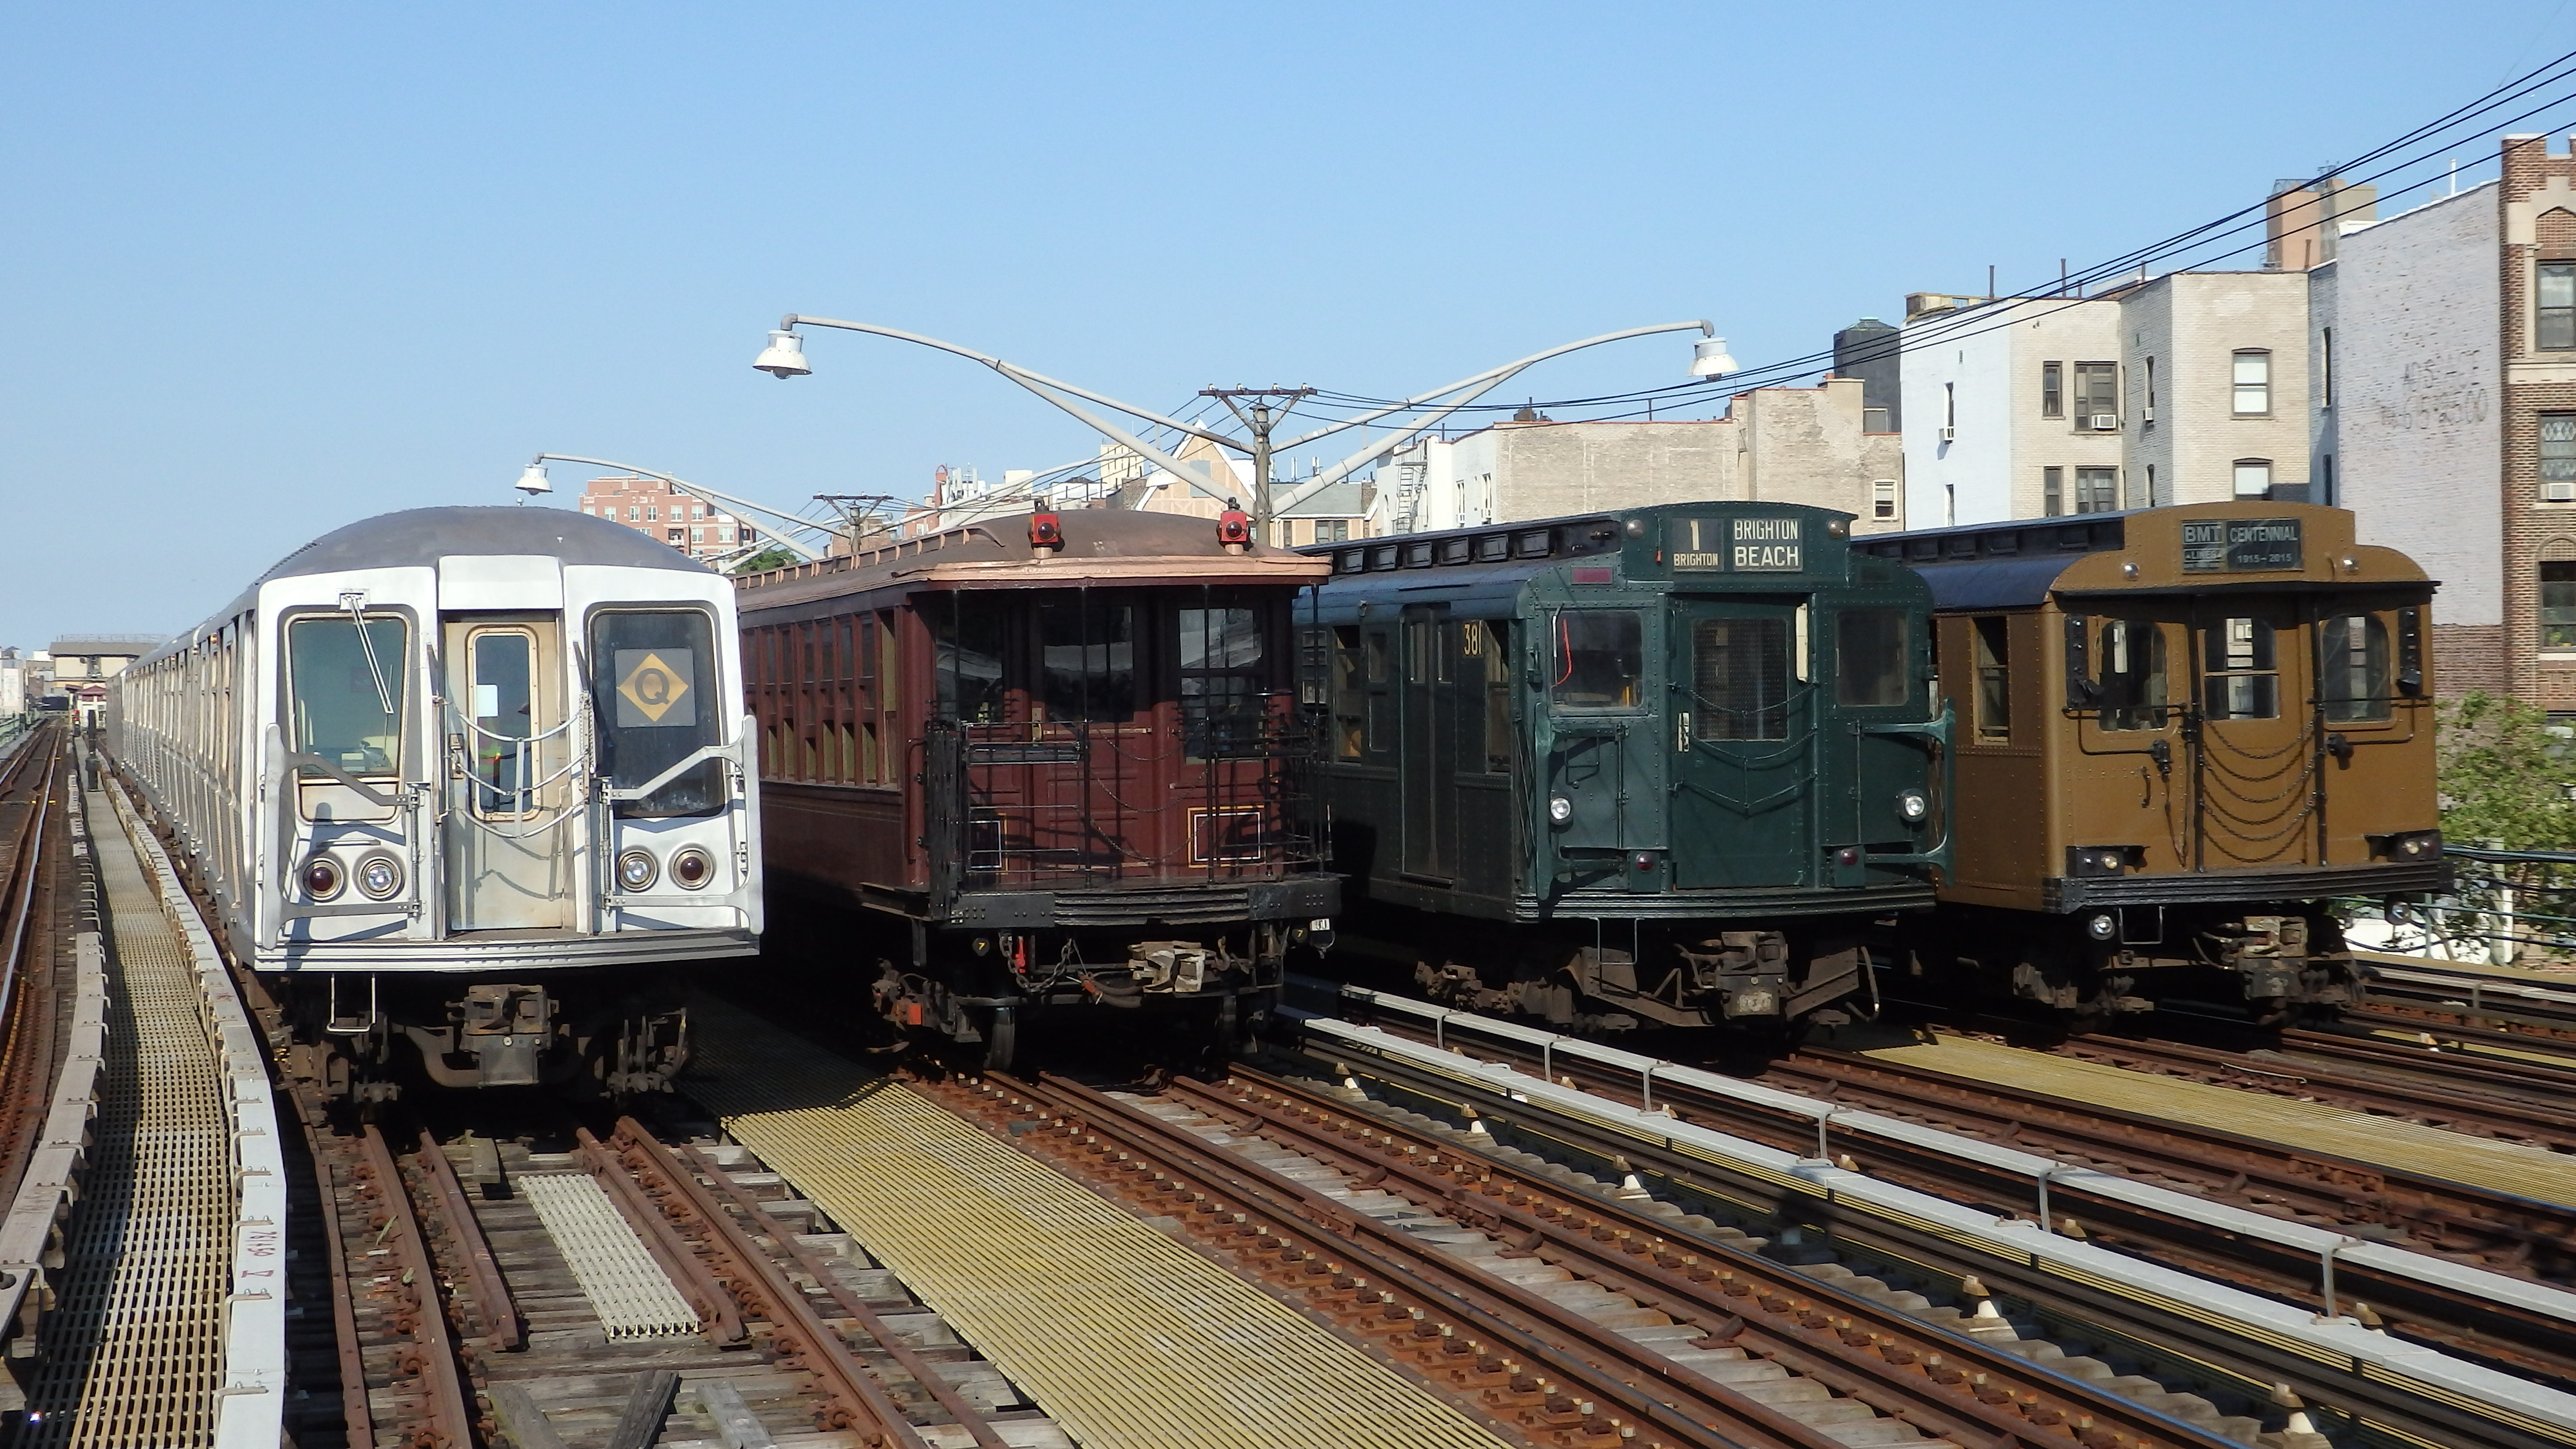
x=1675 y=765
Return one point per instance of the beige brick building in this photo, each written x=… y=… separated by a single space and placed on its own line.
x=2537 y=342
x=2217 y=386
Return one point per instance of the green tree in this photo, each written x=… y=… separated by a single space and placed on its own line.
x=768 y=558
x=2504 y=776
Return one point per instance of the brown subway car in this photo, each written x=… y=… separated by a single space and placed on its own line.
x=2183 y=732
x=1059 y=753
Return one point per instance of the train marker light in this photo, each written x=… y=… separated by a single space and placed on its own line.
x=379 y=877
x=1912 y=806
x=1234 y=528
x=1559 y=809
x=1046 y=530
x=636 y=870
x=2101 y=926
x=692 y=868
x=322 y=878
x=784 y=357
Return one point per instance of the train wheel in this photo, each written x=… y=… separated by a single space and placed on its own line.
x=1002 y=1039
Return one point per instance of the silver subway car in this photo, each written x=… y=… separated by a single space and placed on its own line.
x=470 y=786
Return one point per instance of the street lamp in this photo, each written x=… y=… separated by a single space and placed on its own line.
x=784 y=357
x=537 y=472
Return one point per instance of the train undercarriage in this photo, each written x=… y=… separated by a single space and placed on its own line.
x=613 y=1031
x=2272 y=960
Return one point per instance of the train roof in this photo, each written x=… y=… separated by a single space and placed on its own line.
x=420 y=537
x=1103 y=548
x=1503 y=554
x=2018 y=564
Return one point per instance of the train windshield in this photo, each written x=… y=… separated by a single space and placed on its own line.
x=1221 y=693
x=2353 y=682
x=1869 y=652
x=2133 y=675
x=348 y=691
x=654 y=698
x=1088 y=653
x=1600 y=660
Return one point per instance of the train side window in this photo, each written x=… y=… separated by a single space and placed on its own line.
x=1350 y=701
x=1220 y=682
x=2353 y=674
x=1869 y=654
x=1994 y=678
x=1373 y=673
x=651 y=671
x=968 y=638
x=1600 y=660
x=1740 y=679
x=2132 y=693
x=2243 y=679
x=348 y=691
x=1088 y=653
x=1421 y=642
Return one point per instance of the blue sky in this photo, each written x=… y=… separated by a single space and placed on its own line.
x=272 y=268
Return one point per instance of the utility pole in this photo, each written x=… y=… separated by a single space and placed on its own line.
x=1261 y=420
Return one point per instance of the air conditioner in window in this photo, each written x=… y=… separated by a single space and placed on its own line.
x=2563 y=492
x=1949 y=435
x=2105 y=422
x=2147 y=414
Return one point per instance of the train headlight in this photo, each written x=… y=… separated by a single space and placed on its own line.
x=1912 y=806
x=1559 y=809
x=636 y=870
x=692 y=868
x=2100 y=926
x=380 y=877
x=322 y=878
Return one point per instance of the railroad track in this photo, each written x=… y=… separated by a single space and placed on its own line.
x=2411 y=994
x=620 y=1288
x=1559 y=1317
x=1789 y=1160
x=34 y=951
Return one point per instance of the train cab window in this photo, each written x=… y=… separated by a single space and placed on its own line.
x=502 y=665
x=1221 y=695
x=1994 y=679
x=1600 y=660
x=1869 y=655
x=653 y=683
x=1349 y=700
x=2133 y=675
x=2242 y=676
x=1485 y=641
x=1088 y=653
x=347 y=690
x=1740 y=679
x=2353 y=672
x=968 y=640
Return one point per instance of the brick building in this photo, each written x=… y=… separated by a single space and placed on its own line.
x=653 y=507
x=2537 y=342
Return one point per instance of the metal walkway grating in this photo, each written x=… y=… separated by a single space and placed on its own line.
x=1125 y=1337
x=626 y=1288
x=2509 y=1167
x=133 y=1351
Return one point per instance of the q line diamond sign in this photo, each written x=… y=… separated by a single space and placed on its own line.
x=654 y=690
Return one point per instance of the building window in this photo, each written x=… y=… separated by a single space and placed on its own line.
x=2097 y=396
x=2149 y=419
x=1332 y=530
x=2325 y=367
x=1949 y=411
x=630 y=513
x=653 y=512
x=1994 y=679
x=1882 y=498
x=2325 y=480
x=2052 y=492
x=697 y=535
x=2558 y=606
x=2097 y=490
x=2052 y=389
x=2151 y=485
x=2253 y=477
x=2253 y=375
x=2557 y=317
x=2558 y=457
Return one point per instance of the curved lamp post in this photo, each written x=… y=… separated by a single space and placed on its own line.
x=533 y=482
x=784 y=358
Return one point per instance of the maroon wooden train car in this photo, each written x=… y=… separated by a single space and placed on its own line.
x=1062 y=750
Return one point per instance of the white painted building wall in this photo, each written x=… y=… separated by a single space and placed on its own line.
x=2415 y=427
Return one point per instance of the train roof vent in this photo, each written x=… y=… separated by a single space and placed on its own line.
x=1922 y=548
x=1532 y=544
x=1351 y=560
x=1382 y=558
x=1962 y=546
x=2004 y=544
x=1493 y=546
x=1417 y=555
x=2076 y=539
x=1455 y=550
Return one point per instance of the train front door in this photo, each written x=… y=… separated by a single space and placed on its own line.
x=1430 y=727
x=1742 y=738
x=512 y=808
x=2255 y=758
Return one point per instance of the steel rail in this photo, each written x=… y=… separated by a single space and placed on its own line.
x=494 y=1307
x=1947 y=1384
x=412 y=1298
x=2257 y=1358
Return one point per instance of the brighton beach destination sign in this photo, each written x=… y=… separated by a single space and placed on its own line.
x=1739 y=545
